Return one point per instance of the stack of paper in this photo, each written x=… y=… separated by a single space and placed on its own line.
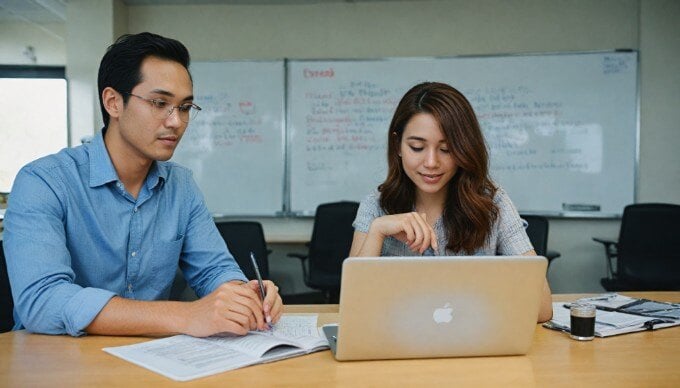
x=618 y=314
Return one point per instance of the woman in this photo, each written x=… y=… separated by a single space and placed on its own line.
x=438 y=196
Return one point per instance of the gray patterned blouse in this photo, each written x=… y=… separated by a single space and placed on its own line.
x=508 y=235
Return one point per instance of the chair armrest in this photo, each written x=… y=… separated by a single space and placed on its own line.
x=605 y=241
x=300 y=256
x=303 y=258
x=610 y=250
x=610 y=245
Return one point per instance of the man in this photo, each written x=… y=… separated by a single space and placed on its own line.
x=94 y=234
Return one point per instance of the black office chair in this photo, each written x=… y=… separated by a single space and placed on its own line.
x=6 y=302
x=537 y=230
x=647 y=252
x=243 y=237
x=330 y=244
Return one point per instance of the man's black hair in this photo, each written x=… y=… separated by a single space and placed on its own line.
x=120 y=66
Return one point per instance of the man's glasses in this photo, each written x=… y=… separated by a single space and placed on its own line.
x=161 y=109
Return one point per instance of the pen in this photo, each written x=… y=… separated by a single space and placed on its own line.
x=259 y=281
x=605 y=297
x=556 y=326
x=257 y=273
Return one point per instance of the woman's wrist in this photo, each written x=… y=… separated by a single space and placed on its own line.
x=374 y=230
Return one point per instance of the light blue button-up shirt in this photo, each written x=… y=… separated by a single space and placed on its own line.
x=74 y=238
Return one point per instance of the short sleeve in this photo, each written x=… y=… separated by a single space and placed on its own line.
x=369 y=209
x=512 y=236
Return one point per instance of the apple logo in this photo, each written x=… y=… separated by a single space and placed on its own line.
x=443 y=314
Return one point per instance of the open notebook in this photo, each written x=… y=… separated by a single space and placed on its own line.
x=183 y=357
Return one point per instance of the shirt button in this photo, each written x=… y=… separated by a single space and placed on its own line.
x=136 y=208
x=130 y=287
x=134 y=253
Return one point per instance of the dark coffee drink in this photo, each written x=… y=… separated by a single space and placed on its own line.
x=582 y=321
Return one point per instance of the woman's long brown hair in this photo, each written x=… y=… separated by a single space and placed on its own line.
x=469 y=211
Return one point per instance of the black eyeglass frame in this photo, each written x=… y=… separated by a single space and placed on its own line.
x=157 y=103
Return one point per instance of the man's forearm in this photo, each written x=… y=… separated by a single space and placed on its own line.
x=133 y=317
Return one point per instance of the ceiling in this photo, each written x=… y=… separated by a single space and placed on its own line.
x=33 y=11
x=54 y=11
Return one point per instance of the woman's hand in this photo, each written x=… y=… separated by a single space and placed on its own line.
x=411 y=228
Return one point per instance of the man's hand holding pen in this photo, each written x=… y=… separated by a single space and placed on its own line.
x=272 y=305
x=268 y=301
x=234 y=307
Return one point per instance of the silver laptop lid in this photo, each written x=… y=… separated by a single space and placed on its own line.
x=415 y=307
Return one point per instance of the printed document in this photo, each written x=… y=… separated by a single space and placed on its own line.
x=619 y=314
x=183 y=357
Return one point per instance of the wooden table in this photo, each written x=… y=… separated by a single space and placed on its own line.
x=645 y=359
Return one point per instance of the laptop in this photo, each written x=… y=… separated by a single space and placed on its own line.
x=423 y=307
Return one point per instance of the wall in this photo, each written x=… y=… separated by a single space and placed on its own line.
x=48 y=42
x=659 y=101
x=447 y=28
x=92 y=26
x=402 y=28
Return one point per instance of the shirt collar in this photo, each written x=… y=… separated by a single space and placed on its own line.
x=101 y=166
x=102 y=170
x=157 y=174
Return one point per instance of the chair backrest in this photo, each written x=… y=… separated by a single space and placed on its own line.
x=330 y=244
x=537 y=230
x=243 y=237
x=649 y=246
x=6 y=302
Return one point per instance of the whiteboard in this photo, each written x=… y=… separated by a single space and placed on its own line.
x=235 y=146
x=561 y=128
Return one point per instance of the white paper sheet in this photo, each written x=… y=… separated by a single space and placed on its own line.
x=183 y=357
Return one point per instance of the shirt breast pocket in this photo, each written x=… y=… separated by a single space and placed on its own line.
x=165 y=263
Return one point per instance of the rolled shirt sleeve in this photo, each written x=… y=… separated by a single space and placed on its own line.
x=38 y=263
